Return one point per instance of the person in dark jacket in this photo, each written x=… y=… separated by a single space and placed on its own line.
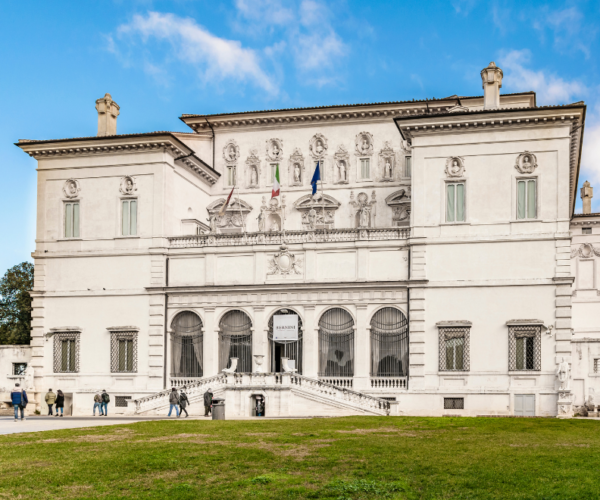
x=60 y=403
x=183 y=402
x=208 y=397
x=104 y=404
x=173 y=401
x=19 y=399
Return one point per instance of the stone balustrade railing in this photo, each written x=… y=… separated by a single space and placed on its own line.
x=289 y=237
x=389 y=382
x=344 y=382
x=183 y=381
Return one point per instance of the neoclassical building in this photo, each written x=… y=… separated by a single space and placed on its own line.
x=432 y=272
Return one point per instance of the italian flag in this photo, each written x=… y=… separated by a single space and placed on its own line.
x=275 y=191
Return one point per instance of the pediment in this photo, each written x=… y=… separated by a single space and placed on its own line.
x=399 y=197
x=457 y=109
x=235 y=205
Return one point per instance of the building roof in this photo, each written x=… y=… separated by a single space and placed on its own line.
x=100 y=137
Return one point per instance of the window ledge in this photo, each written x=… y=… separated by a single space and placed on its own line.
x=126 y=237
x=524 y=372
x=460 y=373
x=455 y=223
x=519 y=221
x=69 y=239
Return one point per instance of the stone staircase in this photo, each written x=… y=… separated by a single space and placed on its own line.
x=286 y=394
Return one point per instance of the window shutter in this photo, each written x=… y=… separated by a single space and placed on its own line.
x=460 y=202
x=531 y=200
x=133 y=217
x=450 y=203
x=125 y=215
x=521 y=199
x=75 y=220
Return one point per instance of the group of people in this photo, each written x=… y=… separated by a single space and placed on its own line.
x=57 y=401
x=178 y=401
x=101 y=400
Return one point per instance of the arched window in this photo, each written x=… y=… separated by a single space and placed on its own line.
x=389 y=343
x=235 y=341
x=291 y=349
x=186 y=345
x=336 y=344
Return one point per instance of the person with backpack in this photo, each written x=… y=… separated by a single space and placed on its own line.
x=173 y=401
x=60 y=403
x=50 y=399
x=104 y=405
x=98 y=404
x=183 y=402
x=208 y=397
x=19 y=400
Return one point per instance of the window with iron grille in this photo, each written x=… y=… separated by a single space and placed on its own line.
x=524 y=348
x=596 y=365
x=123 y=352
x=66 y=352
x=121 y=401
x=454 y=348
x=454 y=403
x=389 y=343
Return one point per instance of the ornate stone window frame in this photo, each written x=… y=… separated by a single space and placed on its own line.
x=386 y=154
x=341 y=155
x=296 y=158
x=118 y=333
x=400 y=203
x=327 y=204
x=518 y=328
x=62 y=334
x=448 y=330
x=444 y=201
x=234 y=219
x=252 y=162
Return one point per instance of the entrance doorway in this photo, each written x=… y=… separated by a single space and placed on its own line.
x=525 y=405
x=285 y=349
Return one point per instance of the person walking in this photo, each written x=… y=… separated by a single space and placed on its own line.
x=60 y=403
x=208 y=397
x=174 y=401
x=183 y=402
x=50 y=399
x=104 y=406
x=19 y=400
x=98 y=404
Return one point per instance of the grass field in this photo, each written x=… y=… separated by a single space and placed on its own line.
x=341 y=458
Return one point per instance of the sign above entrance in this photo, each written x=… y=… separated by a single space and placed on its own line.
x=285 y=327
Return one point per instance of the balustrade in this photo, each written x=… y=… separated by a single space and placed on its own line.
x=388 y=382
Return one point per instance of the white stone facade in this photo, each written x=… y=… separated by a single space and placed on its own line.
x=497 y=274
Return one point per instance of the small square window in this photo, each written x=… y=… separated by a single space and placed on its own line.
x=19 y=368
x=586 y=230
x=121 y=401
x=454 y=403
x=526 y=199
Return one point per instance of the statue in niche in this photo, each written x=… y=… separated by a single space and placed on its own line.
x=526 y=163
x=274 y=226
x=212 y=223
x=261 y=222
x=319 y=147
x=365 y=146
x=563 y=372
x=365 y=216
x=297 y=173
x=253 y=177
x=231 y=153
x=312 y=218
x=276 y=150
x=343 y=173
x=388 y=169
x=455 y=167
x=72 y=187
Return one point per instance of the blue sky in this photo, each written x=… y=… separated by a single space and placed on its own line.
x=160 y=59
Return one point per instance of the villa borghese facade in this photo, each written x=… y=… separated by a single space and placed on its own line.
x=432 y=270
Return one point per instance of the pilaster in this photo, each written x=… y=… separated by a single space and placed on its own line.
x=361 y=349
x=260 y=341
x=210 y=342
x=156 y=341
x=416 y=346
x=310 y=344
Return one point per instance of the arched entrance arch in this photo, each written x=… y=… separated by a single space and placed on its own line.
x=336 y=343
x=186 y=345
x=287 y=349
x=389 y=343
x=235 y=341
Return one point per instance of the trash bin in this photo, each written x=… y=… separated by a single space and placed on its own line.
x=218 y=409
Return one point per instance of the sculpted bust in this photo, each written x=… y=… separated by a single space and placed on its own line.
x=365 y=145
x=319 y=147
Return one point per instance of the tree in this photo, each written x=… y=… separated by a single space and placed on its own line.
x=15 y=304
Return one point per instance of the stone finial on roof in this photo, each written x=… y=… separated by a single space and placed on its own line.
x=491 y=78
x=587 y=193
x=108 y=110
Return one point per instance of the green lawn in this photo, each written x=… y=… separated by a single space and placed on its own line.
x=341 y=458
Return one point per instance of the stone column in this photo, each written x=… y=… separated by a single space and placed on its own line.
x=210 y=343
x=260 y=342
x=362 y=350
x=310 y=344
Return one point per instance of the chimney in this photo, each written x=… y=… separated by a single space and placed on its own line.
x=108 y=110
x=587 y=193
x=491 y=78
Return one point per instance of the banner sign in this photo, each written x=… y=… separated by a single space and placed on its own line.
x=285 y=327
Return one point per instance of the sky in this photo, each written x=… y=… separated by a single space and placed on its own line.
x=160 y=59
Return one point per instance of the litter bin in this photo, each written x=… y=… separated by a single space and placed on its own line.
x=218 y=409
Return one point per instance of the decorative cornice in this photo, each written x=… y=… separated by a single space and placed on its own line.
x=454 y=324
x=525 y=322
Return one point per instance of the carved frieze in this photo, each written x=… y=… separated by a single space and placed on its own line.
x=342 y=165
x=128 y=186
x=317 y=211
x=253 y=170
x=585 y=251
x=318 y=146
x=274 y=149
x=526 y=163
x=296 y=168
x=455 y=166
x=71 y=188
x=231 y=152
x=387 y=163
x=363 y=210
x=400 y=203
x=284 y=263
x=364 y=144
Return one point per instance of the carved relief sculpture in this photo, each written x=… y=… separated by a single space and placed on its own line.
x=363 y=210
x=342 y=161
x=71 y=188
x=317 y=211
x=272 y=215
x=364 y=144
x=231 y=152
x=526 y=163
x=586 y=251
x=234 y=219
x=400 y=203
x=318 y=147
x=387 y=160
x=128 y=186
x=275 y=149
x=455 y=166
x=253 y=169
x=284 y=263
x=296 y=168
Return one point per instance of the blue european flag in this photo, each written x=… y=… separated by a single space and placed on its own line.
x=316 y=178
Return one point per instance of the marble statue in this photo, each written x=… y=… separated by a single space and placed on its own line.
x=365 y=213
x=212 y=222
x=319 y=148
x=296 y=173
x=261 y=222
x=312 y=218
x=72 y=188
x=365 y=145
x=388 y=169
x=343 y=171
x=253 y=177
x=563 y=372
x=526 y=163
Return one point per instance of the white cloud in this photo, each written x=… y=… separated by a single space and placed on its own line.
x=569 y=28
x=550 y=88
x=215 y=58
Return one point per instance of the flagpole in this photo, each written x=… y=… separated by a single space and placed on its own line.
x=241 y=213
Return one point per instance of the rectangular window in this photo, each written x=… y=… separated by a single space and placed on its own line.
x=454 y=403
x=455 y=202
x=454 y=348
x=19 y=368
x=72 y=220
x=121 y=401
x=524 y=344
x=454 y=354
x=365 y=168
x=66 y=352
x=273 y=170
x=123 y=352
x=526 y=199
x=408 y=166
x=129 y=215
x=596 y=365
x=586 y=230
x=231 y=175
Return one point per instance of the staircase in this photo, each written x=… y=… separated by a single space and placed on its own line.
x=286 y=394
